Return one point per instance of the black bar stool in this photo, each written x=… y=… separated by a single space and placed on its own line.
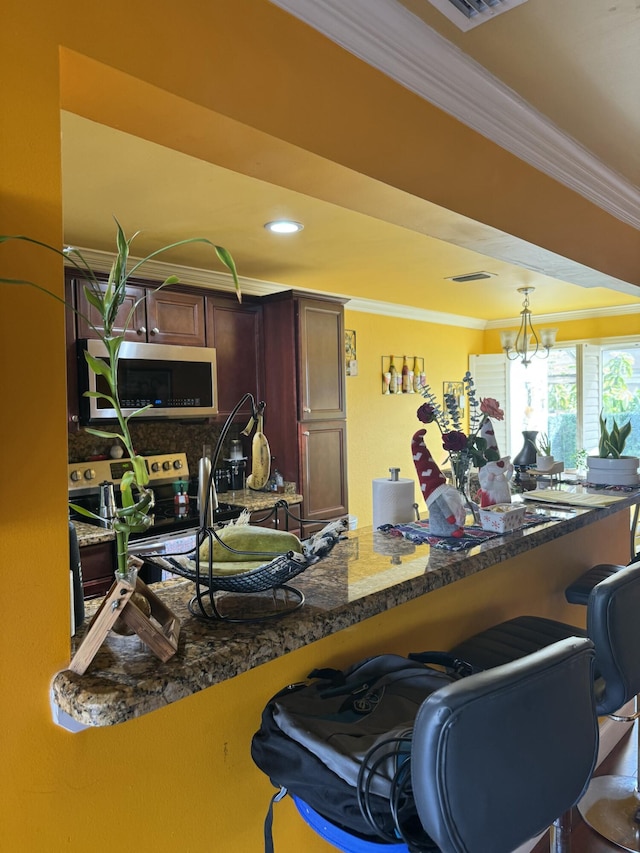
x=493 y=761
x=611 y=805
x=613 y=624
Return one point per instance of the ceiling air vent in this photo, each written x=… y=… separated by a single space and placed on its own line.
x=467 y=14
x=470 y=276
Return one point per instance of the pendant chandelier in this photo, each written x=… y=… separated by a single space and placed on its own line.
x=525 y=343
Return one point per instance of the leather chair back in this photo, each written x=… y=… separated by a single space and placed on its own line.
x=498 y=756
x=613 y=623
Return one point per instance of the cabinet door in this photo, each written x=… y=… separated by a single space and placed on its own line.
x=323 y=457
x=137 y=327
x=236 y=333
x=98 y=566
x=175 y=318
x=321 y=365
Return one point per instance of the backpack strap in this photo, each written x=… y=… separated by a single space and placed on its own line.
x=268 y=821
x=459 y=667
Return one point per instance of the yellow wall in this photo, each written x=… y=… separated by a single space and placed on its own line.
x=380 y=427
x=174 y=780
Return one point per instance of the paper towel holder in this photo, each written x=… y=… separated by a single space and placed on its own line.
x=395 y=474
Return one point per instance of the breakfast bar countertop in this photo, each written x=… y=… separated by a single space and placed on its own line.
x=365 y=575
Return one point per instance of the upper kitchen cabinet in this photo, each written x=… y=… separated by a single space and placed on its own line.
x=235 y=330
x=305 y=383
x=321 y=365
x=164 y=317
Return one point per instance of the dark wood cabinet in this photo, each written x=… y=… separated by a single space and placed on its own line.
x=163 y=317
x=321 y=364
x=323 y=460
x=98 y=566
x=235 y=330
x=175 y=318
x=305 y=418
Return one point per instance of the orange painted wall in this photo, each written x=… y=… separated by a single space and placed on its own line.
x=183 y=774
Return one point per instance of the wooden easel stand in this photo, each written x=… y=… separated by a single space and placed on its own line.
x=160 y=635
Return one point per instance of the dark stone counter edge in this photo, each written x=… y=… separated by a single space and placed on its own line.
x=94 y=701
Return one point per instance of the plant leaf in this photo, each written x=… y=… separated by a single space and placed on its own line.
x=103 y=433
x=102 y=368
x=86 y=512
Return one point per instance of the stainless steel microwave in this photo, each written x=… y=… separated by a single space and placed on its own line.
x=175 y=381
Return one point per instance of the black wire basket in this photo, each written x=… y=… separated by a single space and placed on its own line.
x=268 y=583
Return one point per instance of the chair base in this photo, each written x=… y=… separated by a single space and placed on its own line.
x=610 y=806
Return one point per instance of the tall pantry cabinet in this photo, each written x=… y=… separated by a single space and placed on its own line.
x=305 y=418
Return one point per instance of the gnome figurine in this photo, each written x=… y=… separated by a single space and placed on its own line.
x=494 y=482
x=446 y=510
x=487 y=432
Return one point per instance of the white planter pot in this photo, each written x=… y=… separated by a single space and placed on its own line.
x=544 y=463
x=613 y=472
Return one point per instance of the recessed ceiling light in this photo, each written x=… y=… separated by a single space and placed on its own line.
x=284 y=226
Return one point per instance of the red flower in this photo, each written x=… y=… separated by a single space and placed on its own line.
x=454 y=440
x=426 y=413
x=491 y=407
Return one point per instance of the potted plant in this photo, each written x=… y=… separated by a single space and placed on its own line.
x=610 y=467
x=544 y=458
x=137 y=500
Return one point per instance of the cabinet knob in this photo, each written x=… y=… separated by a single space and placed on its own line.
x=74 y=419
x=141 y=331
x=155 y=331
x=306 y=432
x=306 y=409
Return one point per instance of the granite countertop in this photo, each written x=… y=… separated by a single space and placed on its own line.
x=90 y=534
x=366 y=574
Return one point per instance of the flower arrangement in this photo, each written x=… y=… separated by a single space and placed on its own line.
x=137 y=499
x=468 y=448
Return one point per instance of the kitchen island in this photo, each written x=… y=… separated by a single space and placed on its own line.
x=373 y=593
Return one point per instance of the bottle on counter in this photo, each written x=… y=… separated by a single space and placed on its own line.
x=181 y=500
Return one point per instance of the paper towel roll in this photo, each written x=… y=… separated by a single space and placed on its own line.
x=393 y=501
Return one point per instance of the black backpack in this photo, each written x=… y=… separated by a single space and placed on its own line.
x=341 y=743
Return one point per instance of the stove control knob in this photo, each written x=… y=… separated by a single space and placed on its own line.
x=155 y=466
x=89 y=474
x=75 y=475
x=166 y=465
x=177 y=464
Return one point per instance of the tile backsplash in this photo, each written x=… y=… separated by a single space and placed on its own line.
x=160 y=437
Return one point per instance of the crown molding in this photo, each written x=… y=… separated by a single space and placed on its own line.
x=408 y=312
x=388 y=37
x=101 y=262
x=155 y=270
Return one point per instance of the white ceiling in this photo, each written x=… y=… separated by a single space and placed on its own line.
x=575 y=61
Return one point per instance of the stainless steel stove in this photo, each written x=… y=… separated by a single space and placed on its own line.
x=168 y=474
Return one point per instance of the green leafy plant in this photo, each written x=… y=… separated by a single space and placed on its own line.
x=612 y=441
x=581 y=459
x=107 y=298
x=543 y=445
